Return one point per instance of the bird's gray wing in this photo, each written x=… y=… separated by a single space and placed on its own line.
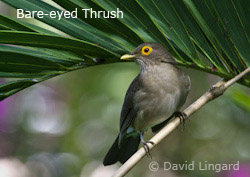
x=128 y=109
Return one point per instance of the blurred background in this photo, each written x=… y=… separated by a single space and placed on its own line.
x=63 y=127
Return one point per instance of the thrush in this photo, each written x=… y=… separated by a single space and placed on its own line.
x=157 y=93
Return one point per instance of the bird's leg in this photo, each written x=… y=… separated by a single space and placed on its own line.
x=145 y=145
x=182 y=116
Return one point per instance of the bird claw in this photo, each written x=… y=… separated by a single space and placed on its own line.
x=183 y=117
x=146 y=147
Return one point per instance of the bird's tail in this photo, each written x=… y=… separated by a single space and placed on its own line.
x=128 y=147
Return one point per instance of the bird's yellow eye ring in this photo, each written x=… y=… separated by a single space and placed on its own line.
x=146 y=50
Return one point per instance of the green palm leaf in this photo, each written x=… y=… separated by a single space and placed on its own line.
x=208 y=35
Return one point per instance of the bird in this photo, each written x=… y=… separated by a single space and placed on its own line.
x=154 y=96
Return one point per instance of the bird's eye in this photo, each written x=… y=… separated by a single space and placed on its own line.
x=146 y=50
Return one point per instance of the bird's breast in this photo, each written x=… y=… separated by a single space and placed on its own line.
x=158 y=97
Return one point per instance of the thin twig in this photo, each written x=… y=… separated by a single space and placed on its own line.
x=214 y=92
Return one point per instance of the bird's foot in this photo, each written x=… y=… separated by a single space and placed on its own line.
x=145 y=145
x=183 y=117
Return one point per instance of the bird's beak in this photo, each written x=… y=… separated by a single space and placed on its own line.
x=128 y=56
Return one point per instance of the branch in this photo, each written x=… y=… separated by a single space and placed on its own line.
x=217 y=90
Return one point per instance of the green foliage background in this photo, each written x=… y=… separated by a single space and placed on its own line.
x=64 y=126
x=208 y=35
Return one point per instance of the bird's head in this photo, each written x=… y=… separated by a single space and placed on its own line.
x=150 y=53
